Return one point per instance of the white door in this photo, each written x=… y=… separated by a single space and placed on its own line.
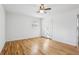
x=78 y=29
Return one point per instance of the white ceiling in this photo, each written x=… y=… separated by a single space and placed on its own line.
x=31 y=9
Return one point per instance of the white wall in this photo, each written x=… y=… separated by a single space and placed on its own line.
x=20 y=26
x=64 y=27
x=2 y=27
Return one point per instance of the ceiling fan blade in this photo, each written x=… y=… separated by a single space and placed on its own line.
x=48 y=9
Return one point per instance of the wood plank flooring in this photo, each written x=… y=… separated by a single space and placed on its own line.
x=38 y=46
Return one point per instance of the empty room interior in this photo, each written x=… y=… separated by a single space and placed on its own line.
x=39 y=29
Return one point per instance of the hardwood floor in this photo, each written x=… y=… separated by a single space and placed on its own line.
x=38 y=46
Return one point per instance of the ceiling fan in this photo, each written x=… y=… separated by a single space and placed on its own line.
x=43 y=9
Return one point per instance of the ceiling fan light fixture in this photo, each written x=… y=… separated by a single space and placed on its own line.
x=41 y=11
